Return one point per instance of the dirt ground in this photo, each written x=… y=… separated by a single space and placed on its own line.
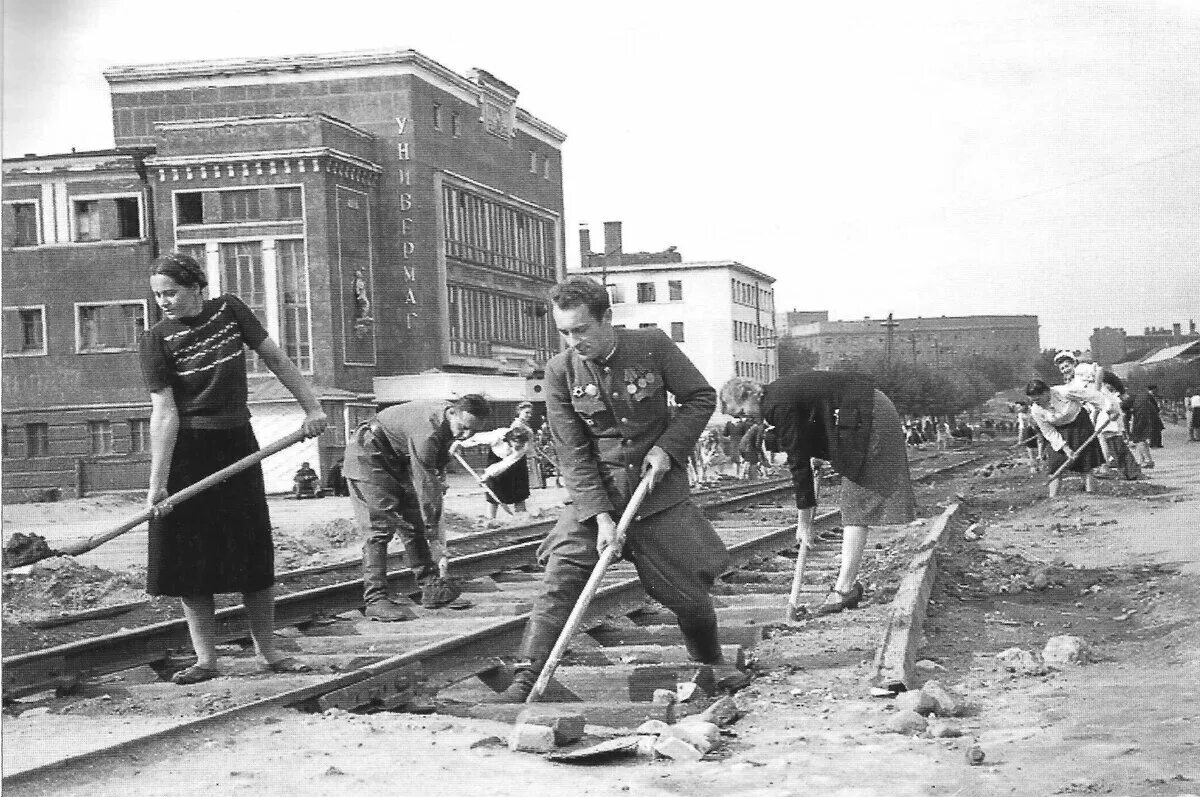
x=1117 y=568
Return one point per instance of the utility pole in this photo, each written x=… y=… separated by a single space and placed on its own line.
x=890 y=326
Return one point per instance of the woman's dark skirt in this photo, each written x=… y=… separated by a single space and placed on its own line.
x=1076 y=434
x=883 y=494
x=512 y=486
x=220 y=540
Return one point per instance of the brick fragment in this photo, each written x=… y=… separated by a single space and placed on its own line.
x=655 y=727
x=677 y=749
x=946 y=704
x=567 y=726
x=918 y=702
x=704 y=736
x=907 y=722
x=527 y=738
x=722 y=712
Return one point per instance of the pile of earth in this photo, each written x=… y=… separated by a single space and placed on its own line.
x=61 y=585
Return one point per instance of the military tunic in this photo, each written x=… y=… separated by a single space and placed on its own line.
x=604 y=417
x=395 y=467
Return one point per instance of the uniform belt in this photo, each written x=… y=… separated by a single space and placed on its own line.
x=381 y=439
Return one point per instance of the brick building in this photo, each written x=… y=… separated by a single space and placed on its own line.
x=393 y=223
x=1112 y=345
x=721 y=313
x=930 y=341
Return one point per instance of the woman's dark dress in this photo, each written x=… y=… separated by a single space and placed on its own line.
x=220 y=540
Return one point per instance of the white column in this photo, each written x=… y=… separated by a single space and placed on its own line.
x=271 y=287
x=212 y=266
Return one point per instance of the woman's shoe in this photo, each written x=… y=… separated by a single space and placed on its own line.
x=194 y=675
x=837 y=600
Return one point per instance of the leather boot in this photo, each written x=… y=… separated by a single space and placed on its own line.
x=522 y=684
x=704 y=645
x=379 y=604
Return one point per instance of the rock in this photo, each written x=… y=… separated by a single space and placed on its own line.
x=1066 y=649
x=1021 y=661
x=531 y=739
x=567 y=726
x=975 y=755
x=656 y=727
x=946 y=704
x=928 y=665
x=907 y=722
x=1041 y=579
x=488 y=743
x=722 y=712
x=645 y=746
x=944 y=730
x=970 y=536
x=704 y=736
x=677 y=749
x=663 y=697
x=916 y=702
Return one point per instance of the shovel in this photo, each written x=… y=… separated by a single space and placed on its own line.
x=589 y=591
x=29 y=556
x=1075 y=454
x=482 y=482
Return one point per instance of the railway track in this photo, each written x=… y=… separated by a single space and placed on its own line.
x=448 y=660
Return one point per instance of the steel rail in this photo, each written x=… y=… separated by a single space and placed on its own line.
x=454 y=658
x=35 y=671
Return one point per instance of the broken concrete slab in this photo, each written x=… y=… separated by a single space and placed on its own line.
x=567 y=725
x=526 y=738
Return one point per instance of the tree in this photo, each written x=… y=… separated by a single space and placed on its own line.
x=794 y=358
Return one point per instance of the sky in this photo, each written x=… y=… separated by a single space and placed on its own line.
x=934 y=158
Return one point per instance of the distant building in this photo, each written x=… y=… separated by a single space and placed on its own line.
x=395 y=225
x=784 y=321
x=928 y=341
x=1111 y=345
x=721 y=313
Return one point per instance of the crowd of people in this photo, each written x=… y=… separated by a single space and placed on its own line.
x=609 y=431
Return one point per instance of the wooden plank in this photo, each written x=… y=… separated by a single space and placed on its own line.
x=616 y=714
x=385 y=688
x=647 y=654
x=746 y=636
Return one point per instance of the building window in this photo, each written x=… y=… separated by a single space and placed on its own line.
x=289 y=202
x=675 y=289
x=293 y=302
x=648 y=325
x=129 y=218
x=109 y=327
x=242 y=275
x=87 y=220
x=546 y=169
x=479 y=318
x=189 y=207
x=240 y=206
x=437 y=116
x=101 y=436
x=487 y=233
x=533 y=162
x=139 y=435
x=454 y=125
x=645 y=292
x=24 y=331
x=21 y=224
x=677 y=331
x=37 y=440
x=616 y=294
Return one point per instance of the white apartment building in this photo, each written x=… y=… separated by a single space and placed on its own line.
x=720 y=313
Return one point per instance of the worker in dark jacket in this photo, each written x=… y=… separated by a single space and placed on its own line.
x=606 y=403
x=843 y=419
x=395 y=469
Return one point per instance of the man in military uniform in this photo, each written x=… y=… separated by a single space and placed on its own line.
x=395 y=470
x=606 y=404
